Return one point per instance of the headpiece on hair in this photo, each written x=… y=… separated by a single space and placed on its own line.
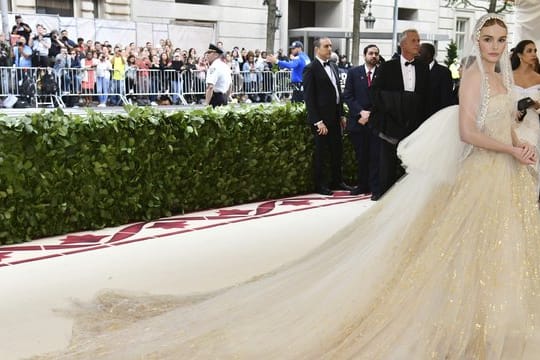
x=482 y=21
x=474 y=64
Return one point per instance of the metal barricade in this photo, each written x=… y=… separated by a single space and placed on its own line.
x=82 y=86
x=282 y=84
x=258 y=86
x=153 y=86
x=194 y=85
x=28 y=87
x=72 y=86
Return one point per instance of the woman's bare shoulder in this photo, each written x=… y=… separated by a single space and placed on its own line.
x=526 y=80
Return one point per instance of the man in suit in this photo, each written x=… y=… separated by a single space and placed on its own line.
x=322 y=95
x=440 y=80
x=365 y=142
x=400 y=105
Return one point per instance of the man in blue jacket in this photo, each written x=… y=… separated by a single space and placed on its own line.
x=365 y=142
x=297 y=63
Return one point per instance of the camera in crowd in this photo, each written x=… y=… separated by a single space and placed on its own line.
x=40 y=36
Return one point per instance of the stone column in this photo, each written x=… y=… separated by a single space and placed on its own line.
x=283 y=25
x=117 y=9
x=87 y=9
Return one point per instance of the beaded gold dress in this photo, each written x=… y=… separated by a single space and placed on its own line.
x=447 y=273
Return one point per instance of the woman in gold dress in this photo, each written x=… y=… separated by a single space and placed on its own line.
x=456 y=275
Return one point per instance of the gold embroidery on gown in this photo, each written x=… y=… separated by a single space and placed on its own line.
x=453 y=277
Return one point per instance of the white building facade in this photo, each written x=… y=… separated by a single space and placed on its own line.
x=242 y=23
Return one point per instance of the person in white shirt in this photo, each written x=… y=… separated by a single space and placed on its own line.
x=218 y=78
x=103 y=77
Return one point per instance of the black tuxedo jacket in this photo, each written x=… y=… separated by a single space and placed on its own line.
x=320 y=94
x=396 y=113
x=441 y=88
x=357 y=95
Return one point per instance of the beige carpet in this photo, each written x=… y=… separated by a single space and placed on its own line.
x=182 y=254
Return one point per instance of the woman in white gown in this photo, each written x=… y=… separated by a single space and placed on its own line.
x=445 y=266
x=527 y=84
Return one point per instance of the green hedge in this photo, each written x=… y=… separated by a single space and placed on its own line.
x=61 y=173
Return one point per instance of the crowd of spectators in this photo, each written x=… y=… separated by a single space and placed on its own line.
x=152 y=70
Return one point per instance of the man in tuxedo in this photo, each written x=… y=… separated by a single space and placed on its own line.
x=400 y=94
x=365 y=142
x=322 y=95
x=440 y=80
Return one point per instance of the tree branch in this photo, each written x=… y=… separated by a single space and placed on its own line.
x=492 y=5
x=465 y=3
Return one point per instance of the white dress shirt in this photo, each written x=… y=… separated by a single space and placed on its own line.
x=409 y=75
x=332 y=77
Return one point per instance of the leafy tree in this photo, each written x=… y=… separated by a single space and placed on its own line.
x=451 y=53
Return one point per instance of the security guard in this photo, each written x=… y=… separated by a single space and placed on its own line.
x=218 y=78
x=297 y=65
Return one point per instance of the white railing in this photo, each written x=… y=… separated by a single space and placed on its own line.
x=62 y=87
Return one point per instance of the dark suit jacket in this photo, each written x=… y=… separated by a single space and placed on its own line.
x=356 y=95
x=440 y=81
x=320 y=94
x=396 y=113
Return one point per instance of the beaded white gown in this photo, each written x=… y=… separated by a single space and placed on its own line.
x=529 y=128
x=444 y=272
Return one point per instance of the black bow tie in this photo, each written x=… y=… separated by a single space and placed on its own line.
x=326 y=63
x=407 y=63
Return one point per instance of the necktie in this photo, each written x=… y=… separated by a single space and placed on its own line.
x=407 y=63
x=326 y=63
x=369 y=78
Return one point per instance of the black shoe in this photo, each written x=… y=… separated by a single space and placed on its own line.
x=375 y=197
x=359 y=191
x=341 y=186
x=324 y=191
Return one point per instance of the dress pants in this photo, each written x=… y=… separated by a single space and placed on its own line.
x=390 y=169
x=298 y=92
x=218 y=99
x=366 y=148
x=327 y=146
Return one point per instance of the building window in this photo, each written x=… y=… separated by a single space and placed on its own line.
x=461 y=31
x=407 y=14
x=96 y=8
x=55 y=7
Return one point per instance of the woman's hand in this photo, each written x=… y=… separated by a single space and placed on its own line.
x=525 y=154
x=520 y=115
x=531 y=149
